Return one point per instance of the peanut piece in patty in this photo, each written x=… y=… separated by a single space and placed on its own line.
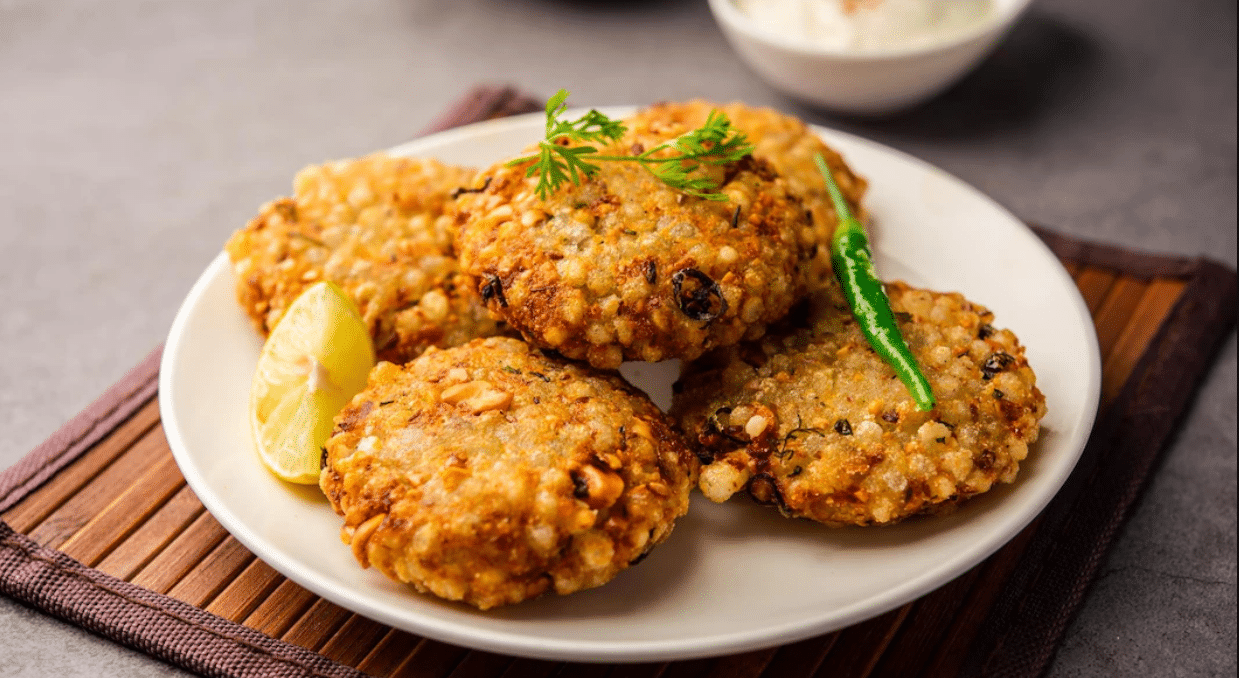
x=476 y=396
x=361 y=536
x=603 y=488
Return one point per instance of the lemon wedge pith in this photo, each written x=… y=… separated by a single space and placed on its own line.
x=314 y=361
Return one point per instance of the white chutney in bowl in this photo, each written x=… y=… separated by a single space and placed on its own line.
x=864 y=56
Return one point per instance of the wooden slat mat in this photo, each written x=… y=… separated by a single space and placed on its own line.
x=100 y=529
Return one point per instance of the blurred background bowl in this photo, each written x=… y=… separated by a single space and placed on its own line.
x=872 y=82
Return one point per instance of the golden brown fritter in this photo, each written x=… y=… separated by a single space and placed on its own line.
x=490 y=473
x=376 y=227
x=812 y=420
x=623 y=267
x=783 y=140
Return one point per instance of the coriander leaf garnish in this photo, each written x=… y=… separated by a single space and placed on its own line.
x=714 y=143
x=593 y=126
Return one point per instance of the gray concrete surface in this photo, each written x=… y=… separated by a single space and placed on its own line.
x=135 y=136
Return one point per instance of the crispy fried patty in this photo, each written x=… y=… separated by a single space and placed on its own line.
x=783 y=140
x=490 y=473
x=375 y=226
x=810 y=419
x=623 y=267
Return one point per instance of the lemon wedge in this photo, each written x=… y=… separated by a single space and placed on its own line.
x=315 y=360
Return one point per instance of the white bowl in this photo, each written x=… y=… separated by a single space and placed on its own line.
x=862 y=82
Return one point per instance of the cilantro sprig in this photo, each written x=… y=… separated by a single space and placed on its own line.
x=714 y=143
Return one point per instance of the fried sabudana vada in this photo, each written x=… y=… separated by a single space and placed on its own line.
x=786 y=142
x=376 y=227
x=811 y=420
x=624 y=267
x=490 y=474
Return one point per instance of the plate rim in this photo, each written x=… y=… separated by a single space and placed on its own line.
x=602 y=650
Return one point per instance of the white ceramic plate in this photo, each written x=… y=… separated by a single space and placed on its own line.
x=731 y=577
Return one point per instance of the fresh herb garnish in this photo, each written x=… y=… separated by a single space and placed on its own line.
x=714 y=143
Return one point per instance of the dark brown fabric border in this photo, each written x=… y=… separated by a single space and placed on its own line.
x=82 y=431
x=150 y=622
x=1044 y=594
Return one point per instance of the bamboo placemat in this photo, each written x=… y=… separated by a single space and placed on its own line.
x=100 y=529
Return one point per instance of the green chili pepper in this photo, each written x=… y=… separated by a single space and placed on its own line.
x=853 y=262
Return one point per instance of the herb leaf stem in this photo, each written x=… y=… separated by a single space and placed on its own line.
x=714 y=143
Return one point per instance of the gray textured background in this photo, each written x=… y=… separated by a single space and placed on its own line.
x=135 y=136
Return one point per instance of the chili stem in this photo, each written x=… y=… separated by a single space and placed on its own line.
x=853 y=263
